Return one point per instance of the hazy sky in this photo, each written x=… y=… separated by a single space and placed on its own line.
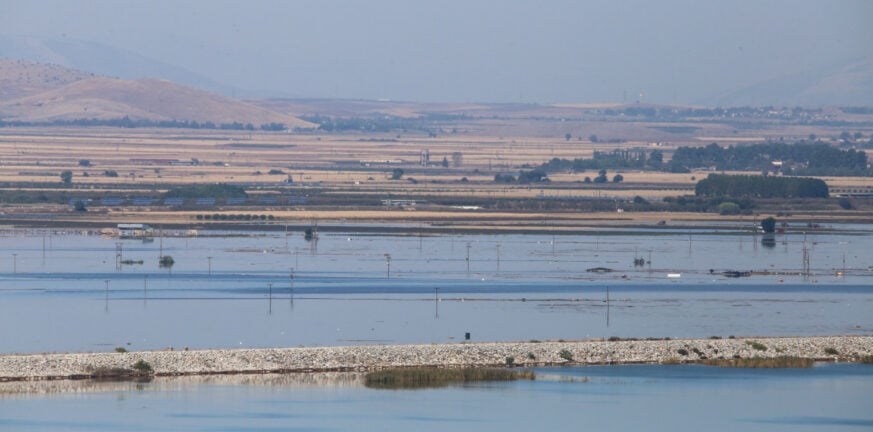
x=470 y=50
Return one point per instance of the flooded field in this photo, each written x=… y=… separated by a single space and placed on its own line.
x=73 y=291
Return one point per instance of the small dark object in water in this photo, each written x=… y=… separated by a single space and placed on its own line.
x=599 y=270
x=736 y=274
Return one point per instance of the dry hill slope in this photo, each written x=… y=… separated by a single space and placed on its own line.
x=21 y=78
x=35 y=92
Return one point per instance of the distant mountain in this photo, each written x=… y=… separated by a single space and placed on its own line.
x=102 y=60
x=850 y=83
x=39 y=93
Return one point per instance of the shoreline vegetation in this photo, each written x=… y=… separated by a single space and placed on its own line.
x=732 y=352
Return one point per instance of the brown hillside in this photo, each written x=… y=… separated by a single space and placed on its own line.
x=145 y=99
x=21 y=78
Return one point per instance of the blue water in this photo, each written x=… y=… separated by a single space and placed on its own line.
x=64 y=292
x=621 y=398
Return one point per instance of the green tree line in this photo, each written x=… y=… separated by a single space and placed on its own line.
x=716 y=185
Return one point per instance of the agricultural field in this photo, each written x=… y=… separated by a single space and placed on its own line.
x=449 y=172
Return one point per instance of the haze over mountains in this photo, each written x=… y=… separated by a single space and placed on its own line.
x=38 y=92
x=848 y=83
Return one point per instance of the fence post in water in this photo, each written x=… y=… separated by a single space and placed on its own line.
x=209 y=259
x=106 y=283
x=291 y=287
x=388 y=264
x=15 y=263
x=468 y=258
x=270 y=298
x=145 y=288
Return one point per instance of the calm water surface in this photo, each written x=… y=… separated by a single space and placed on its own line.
x=66 y=292
x=626 y=398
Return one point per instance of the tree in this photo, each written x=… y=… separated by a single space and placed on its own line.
x=567 y=136
x=618 y=178
x=656 y=159
x=768 y=225
x=67 y=177
x=601 y=177
x=457 y=159
x=307 y=234
x=592 y=138
x=84 y=162
x=80 y=206
x=445 y=162
x=396 y=174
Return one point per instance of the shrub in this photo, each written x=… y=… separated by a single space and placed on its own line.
x=867 y=359
x=120 y=349
x=566 y=355
x=831 y=351
x=845 y=204
x=756 y=345
x=142 y=366
x=531 y=356
x=509 y=361
x=682 y=351
x=166 y=261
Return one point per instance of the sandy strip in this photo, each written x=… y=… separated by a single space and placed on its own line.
x=364 y=358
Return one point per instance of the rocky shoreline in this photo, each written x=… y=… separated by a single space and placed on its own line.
x=34 y=367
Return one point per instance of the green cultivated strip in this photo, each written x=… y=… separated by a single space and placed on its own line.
x=415 y=378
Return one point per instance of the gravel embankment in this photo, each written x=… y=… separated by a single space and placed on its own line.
x=363 y=358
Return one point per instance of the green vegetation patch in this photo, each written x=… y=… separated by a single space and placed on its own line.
x=761 y=362
x=757 y=345
x=417 y=378
x=716 y=185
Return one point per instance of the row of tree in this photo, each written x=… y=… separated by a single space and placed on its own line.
x=616 y=159
x=716 y=185
x=801 y=158
x=127 y=122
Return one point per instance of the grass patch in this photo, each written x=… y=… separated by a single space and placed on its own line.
x=757 y=345
x=671 y=361
x=415 y=378
x=761 y=362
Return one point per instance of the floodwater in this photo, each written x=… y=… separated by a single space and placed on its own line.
x=69 y=291
x=633 y=398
